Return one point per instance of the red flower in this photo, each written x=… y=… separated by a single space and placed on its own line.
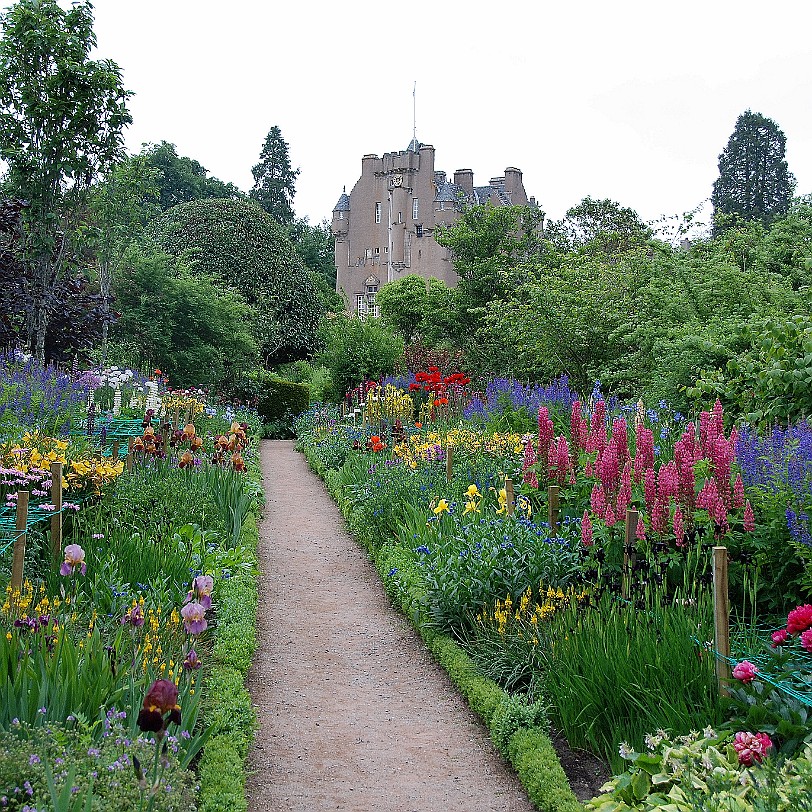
x=751 y=747
x=800 y=619
x=779 y=638
x=161 y=699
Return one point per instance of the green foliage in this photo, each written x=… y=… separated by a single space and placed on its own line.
x=598 y=227
x=236 y=242
x=181 y=179
x=771 y=379
x=274 y=179
x=92 y=765
x=403 y=305
x=754 y=181
x=315 y=246
x=283 y=399
x=702 y=774
x=316 y=376
x=181 y=321
x=229 y=712
x=355 y=349
x=62 y=115
x=515 y=713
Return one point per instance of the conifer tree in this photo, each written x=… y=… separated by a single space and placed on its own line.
x=274 y=179
x=754 y=181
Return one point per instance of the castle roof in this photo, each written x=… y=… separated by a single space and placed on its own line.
x=414 y=146
x=449 y=193
x=482 y=194
x=343 y=202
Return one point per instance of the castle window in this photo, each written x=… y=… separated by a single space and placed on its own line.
x=419 y=229
x=377 y=212
x=415 y=204
x=400 y=216
x=341 y=215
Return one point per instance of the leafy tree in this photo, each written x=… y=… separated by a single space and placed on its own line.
x=598 y=227
x=355 y=349
x=274 y=178
x=403 y=304
x=180 y=320
x=182 y=179
x=236 y=242
x=61 y=120
x=119 y=207
x=315 y=246
x=754 y=181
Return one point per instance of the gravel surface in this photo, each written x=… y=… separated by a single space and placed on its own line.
x=354 y=713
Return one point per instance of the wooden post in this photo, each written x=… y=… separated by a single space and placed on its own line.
x=56 y=519
x=175 y=418
x=19 y=543
x=511 y=499
x=552 y=509
x=114 y=451
x=128 y=464
x=632 y=517
x=721 y=618
x=449 y=463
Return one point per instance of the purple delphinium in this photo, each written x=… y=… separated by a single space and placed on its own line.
x=781 y=462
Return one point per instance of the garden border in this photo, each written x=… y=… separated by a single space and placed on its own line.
x=227 y=709
x=529 y=750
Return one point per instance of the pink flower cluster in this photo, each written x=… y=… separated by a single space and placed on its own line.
x=745 y=672
x=751 y=747
x=799 y=621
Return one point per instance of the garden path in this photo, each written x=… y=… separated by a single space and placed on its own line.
x=354 y=713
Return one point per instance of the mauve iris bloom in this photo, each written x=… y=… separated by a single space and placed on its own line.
x=133 y=617
x=74 y=558
x=194 y=618
x=202 y=587
x=192 y=661
x=161 y=699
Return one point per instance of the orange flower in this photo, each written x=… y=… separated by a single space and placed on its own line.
x=186 y=460
x=237 y=462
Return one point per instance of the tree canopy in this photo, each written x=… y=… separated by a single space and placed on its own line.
x=181 y=179
x=236 y=242
x=274 y=178
x=62 y=117
x=754 y=180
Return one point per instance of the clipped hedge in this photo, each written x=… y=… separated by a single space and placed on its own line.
x=280 y=399
x=227 y=710
x=519 y=731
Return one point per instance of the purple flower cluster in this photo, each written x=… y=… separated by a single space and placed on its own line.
x=781 y=462
x=503 y=392
x=39 y=394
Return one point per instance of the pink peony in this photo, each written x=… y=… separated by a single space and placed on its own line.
x=800 y=619
x=779 y=638
x=745 y=671
x=806 y=640
x=751 y=747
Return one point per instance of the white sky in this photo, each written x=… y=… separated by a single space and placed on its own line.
x=628 y=100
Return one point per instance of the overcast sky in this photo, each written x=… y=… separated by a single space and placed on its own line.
x=631 y=101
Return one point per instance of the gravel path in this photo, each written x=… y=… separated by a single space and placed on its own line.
x=354 y=713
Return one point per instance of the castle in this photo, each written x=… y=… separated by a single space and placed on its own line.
x=384 y=229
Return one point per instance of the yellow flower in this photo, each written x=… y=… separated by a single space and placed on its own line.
x=471 y=507
x=442 y=507
x=473 y=492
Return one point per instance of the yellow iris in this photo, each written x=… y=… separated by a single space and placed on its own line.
x=442 y=507
x=473 y=492
x=471 y=507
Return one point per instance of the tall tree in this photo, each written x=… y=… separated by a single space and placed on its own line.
x=61 y=120
x=120 y=207
x=274 y=179
x=183 y=179
x=754 y=181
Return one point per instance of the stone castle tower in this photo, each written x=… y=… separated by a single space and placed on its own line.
x=384 y=229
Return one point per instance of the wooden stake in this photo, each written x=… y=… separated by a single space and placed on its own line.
x=721 y=618
x=632 y=517
x=19 y=543
x=511 y=499
x=552 y=509
x=56 y=518
x=449 y=463
x=114 y=451
x=128 y=463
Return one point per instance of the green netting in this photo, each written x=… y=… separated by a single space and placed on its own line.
x=36 y=514
x=117 y=429
x=797 y=685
